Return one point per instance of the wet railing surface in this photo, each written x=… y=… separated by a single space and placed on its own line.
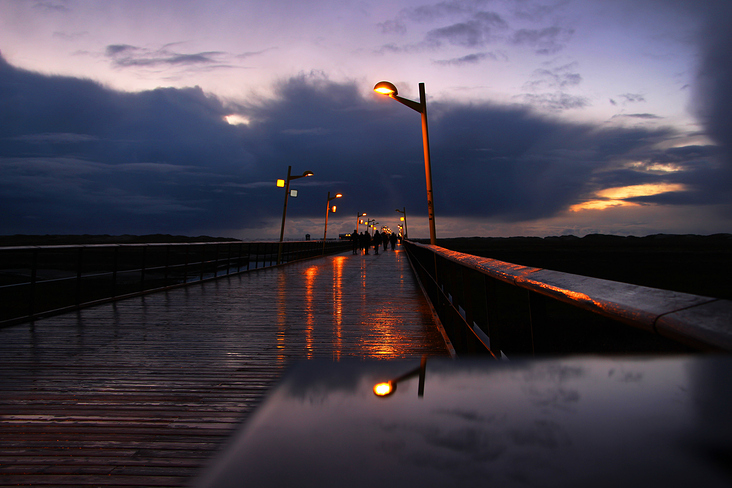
x=37 y=281
x=142 y=391
x=493 y=307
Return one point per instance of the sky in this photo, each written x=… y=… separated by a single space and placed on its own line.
x=545 y=118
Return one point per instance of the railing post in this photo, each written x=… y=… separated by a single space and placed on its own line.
x=34 y=277
x=185 y=266
x=79 y=264
x=167 y=264
x=142 y=267
x=228 y=259
x=216 y=260
x=115 y=265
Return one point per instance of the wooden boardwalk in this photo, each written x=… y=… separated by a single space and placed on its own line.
x=142 y=392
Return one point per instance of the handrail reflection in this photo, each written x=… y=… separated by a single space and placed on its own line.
x=387 y=388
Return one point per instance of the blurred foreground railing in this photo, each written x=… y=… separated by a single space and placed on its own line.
x=37 y=281
x=492 y=307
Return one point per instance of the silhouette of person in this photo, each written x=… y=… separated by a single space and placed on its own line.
x=354 y=241
x=377 y=242
x=366 y=241
x=393 y=240
x=384 y=239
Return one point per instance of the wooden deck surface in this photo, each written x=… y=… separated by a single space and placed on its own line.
x=142 y=392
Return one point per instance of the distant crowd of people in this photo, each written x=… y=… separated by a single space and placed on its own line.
x=363 y=241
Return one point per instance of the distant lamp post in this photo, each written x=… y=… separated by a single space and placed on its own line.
x=388 y=89
x=358 y=219
x=328 y=210
x=403 y=218
x=286 y=185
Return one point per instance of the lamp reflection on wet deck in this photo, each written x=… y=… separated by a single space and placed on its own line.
x=387 y=388
x=310 y=303
x=339 y=262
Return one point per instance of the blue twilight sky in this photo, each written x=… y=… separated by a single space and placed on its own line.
x=547 y=117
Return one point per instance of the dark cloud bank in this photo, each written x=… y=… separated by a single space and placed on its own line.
x=77 y=157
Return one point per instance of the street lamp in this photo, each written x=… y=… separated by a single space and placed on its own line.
x=388 y=89
x=286 y=184
x=358 y=219
x=404 y=218
x=327 y=211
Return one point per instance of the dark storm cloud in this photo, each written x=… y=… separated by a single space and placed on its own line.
x=80 y=157
x=77 y=157
x=713 y=96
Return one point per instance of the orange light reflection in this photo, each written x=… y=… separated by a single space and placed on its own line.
x=281 y=313
x=310 y=274
x=338 y=262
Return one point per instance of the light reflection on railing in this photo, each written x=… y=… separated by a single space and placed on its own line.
x=492 y=307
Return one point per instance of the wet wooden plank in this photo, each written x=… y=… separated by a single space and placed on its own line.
x=141 y=392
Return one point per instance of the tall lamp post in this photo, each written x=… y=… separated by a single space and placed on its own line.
x=404 y=218
x=358 y=219
x=327 y=211
x=286 y=184
x=387 y=88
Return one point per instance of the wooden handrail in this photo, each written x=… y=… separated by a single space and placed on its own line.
x=696 y=321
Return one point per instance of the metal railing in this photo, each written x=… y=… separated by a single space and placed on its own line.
x=492 y=307
x=37 y=281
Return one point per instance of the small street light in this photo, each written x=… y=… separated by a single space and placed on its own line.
x=358 y=219
x=328 y=211
x=286 y=185
x=404 y=219
x=388 y=89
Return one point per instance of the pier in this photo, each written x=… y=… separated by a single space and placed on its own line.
x=143 y=391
